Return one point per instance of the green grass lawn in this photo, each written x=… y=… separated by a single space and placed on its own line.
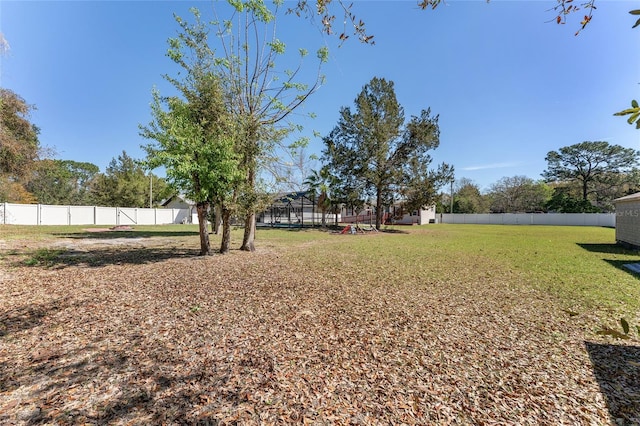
x=581 y=266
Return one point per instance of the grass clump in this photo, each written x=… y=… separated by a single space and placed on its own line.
x=43 y=257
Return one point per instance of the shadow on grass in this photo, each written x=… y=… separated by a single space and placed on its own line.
x=620 y=265
x=612 y=248
x=328 y=229
x=99 y=257
x=393 y=231
x=297 y=228
x=125 y=234
x=617 y=369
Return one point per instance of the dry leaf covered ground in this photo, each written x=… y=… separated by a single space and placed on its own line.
x=304 y=331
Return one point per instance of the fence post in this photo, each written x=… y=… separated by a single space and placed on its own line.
x=68 y=215
x=4 y=213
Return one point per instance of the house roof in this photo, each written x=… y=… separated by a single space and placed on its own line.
x=632 y=197
x=290 y=196
x=180 y=197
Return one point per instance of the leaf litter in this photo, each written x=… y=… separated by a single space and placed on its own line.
x=279 y=337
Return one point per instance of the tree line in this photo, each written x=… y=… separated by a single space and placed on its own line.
x=580 y=178
x=29 y=175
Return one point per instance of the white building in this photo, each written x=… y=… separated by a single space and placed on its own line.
x=179 y=201
x=395 y=215
x=628 y=220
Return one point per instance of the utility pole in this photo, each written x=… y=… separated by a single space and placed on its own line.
x=451 y=200
x=150 y=190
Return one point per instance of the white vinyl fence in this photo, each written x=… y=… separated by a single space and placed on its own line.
x=566 y=219
x=41 y=214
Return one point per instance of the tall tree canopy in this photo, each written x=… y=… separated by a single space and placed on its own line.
x=260 y=96
x=564 y=200
x=194 y=138
x=255 y=98
x=373 y=153
x=63 y=182
x=467 y=198
x=518 y=194
x=593 y=165
x=126 y=184
x=19 y=143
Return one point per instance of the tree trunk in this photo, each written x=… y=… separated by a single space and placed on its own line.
x=226 y=231
x=202 y=209
x=217 y=218
x=378 y=210
x=248 y=241
x=322 y=201
x=584 y=190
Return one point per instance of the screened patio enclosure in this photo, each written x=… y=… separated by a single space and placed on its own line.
x=293 y=209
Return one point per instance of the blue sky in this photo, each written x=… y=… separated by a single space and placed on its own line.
x=509 y=86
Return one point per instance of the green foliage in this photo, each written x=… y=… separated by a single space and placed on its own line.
x=468 y=199
x=321 y=184
x=323 y=54
x=19 y=147
x=43 y=257
x=420 y=185
x=594 y=166
x=518 y=194
x=258 y=97
x=62 y=182
x=635 y=12
x=562 y=201
x=617 y=334
x=196 y=135
x=633 y=113
x=374 y=154
x=190 y=143
x=125 y=184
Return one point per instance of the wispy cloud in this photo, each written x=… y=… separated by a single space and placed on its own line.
x=493 y=166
